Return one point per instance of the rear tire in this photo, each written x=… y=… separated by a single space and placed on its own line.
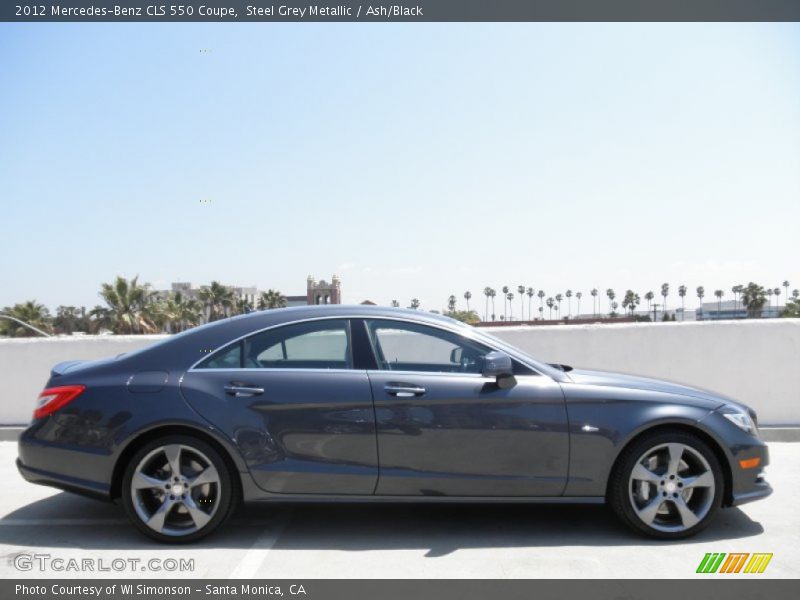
x=178 y=489
x=666 y=485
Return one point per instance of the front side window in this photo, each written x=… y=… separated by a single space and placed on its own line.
x=401 y=346
x=321 y=344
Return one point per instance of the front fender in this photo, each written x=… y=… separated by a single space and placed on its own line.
x=603 y=422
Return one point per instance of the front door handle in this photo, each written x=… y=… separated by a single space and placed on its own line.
x=403 y=390
x=241 y=390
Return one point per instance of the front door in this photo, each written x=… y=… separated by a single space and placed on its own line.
x=444 y=429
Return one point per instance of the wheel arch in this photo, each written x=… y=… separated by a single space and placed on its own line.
x=705 y=436
x=171 y=429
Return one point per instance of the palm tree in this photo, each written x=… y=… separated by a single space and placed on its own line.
x=521 y=292
x=578 y=296
x=550 y=303
x=559 y=298
x=395 y=304
x=414 y=303
x=769 y=297
x=630 y=301
x=614 y=306
x=594 y=297
x=754 y=298
x=492 y=295
x=30 y=312
x=682 y=289
x=451 y=303
x=719 y=294
x=568 y=294
x=777 y=292
x=217 y=299
x=467 y=296
x=649 y=297
x=665 y=293
x=510 y=297
x=529 y=293
x=271 y=299
x=541 y=295
x=701 y=292
x=611 y=295
x=487 y=291
x=70 y=319
x=188 y=310
x=737 y=289
x=242 y=306
x=125 y=310
x=505 y=299
x=786 y=285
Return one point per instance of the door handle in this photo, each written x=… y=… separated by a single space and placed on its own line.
x=242 y=391
x=403 y=390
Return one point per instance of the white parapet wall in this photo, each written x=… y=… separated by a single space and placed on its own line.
x=755 y=361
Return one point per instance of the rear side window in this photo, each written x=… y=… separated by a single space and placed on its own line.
x=311 y=345
x=321 y=344
x=230 y=358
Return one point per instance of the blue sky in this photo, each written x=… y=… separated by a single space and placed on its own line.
x=414 y=160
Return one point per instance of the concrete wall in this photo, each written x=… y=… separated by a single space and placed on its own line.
x=756 y=361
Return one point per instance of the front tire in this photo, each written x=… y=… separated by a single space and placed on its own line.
x=667 y=485
x=178 y=489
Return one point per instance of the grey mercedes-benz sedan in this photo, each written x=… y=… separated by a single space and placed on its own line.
x=364 y=404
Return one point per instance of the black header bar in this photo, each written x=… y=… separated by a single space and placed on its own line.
x=413 y=11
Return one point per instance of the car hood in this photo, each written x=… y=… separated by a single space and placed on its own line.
x=620 y=380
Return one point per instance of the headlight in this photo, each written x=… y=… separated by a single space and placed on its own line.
x=741 y=419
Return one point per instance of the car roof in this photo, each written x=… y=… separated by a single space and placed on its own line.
x=186 y=348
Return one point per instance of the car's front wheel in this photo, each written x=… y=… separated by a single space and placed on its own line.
x=177 y=489
x=667 y=485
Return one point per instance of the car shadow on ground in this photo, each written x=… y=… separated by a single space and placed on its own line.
x=69 y=521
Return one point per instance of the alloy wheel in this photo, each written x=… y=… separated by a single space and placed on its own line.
x=671 y=487
x=175 y=490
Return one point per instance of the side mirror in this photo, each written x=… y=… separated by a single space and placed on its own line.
x=497 y=364
x=456 y=354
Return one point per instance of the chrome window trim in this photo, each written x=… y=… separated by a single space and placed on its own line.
x=469 y=334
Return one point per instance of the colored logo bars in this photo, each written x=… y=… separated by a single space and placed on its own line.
x=735 y=562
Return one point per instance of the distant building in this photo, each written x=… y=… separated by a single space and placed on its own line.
x=317 y=292
x=732 y=309
x=323 y=292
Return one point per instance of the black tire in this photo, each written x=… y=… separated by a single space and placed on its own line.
x=224 y=491
x=620 y=496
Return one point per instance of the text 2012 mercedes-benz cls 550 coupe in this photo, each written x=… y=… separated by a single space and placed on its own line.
x=341 y=403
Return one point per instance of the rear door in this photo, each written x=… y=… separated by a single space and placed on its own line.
x=444 y=429
x=299 y=412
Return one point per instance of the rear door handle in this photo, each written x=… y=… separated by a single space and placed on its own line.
x=242 y=390
x=403 y=390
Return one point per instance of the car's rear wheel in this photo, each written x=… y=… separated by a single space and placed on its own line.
x=667 y=485
x=178 y=489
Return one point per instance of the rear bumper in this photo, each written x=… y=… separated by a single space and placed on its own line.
x=64 y=482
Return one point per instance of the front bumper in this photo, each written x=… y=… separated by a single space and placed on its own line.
x=746 y=484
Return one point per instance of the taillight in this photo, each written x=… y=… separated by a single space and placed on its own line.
x=51 y=399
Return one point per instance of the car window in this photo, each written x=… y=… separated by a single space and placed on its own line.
x=230 y=358
x=311 y=345
x=401 y=346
